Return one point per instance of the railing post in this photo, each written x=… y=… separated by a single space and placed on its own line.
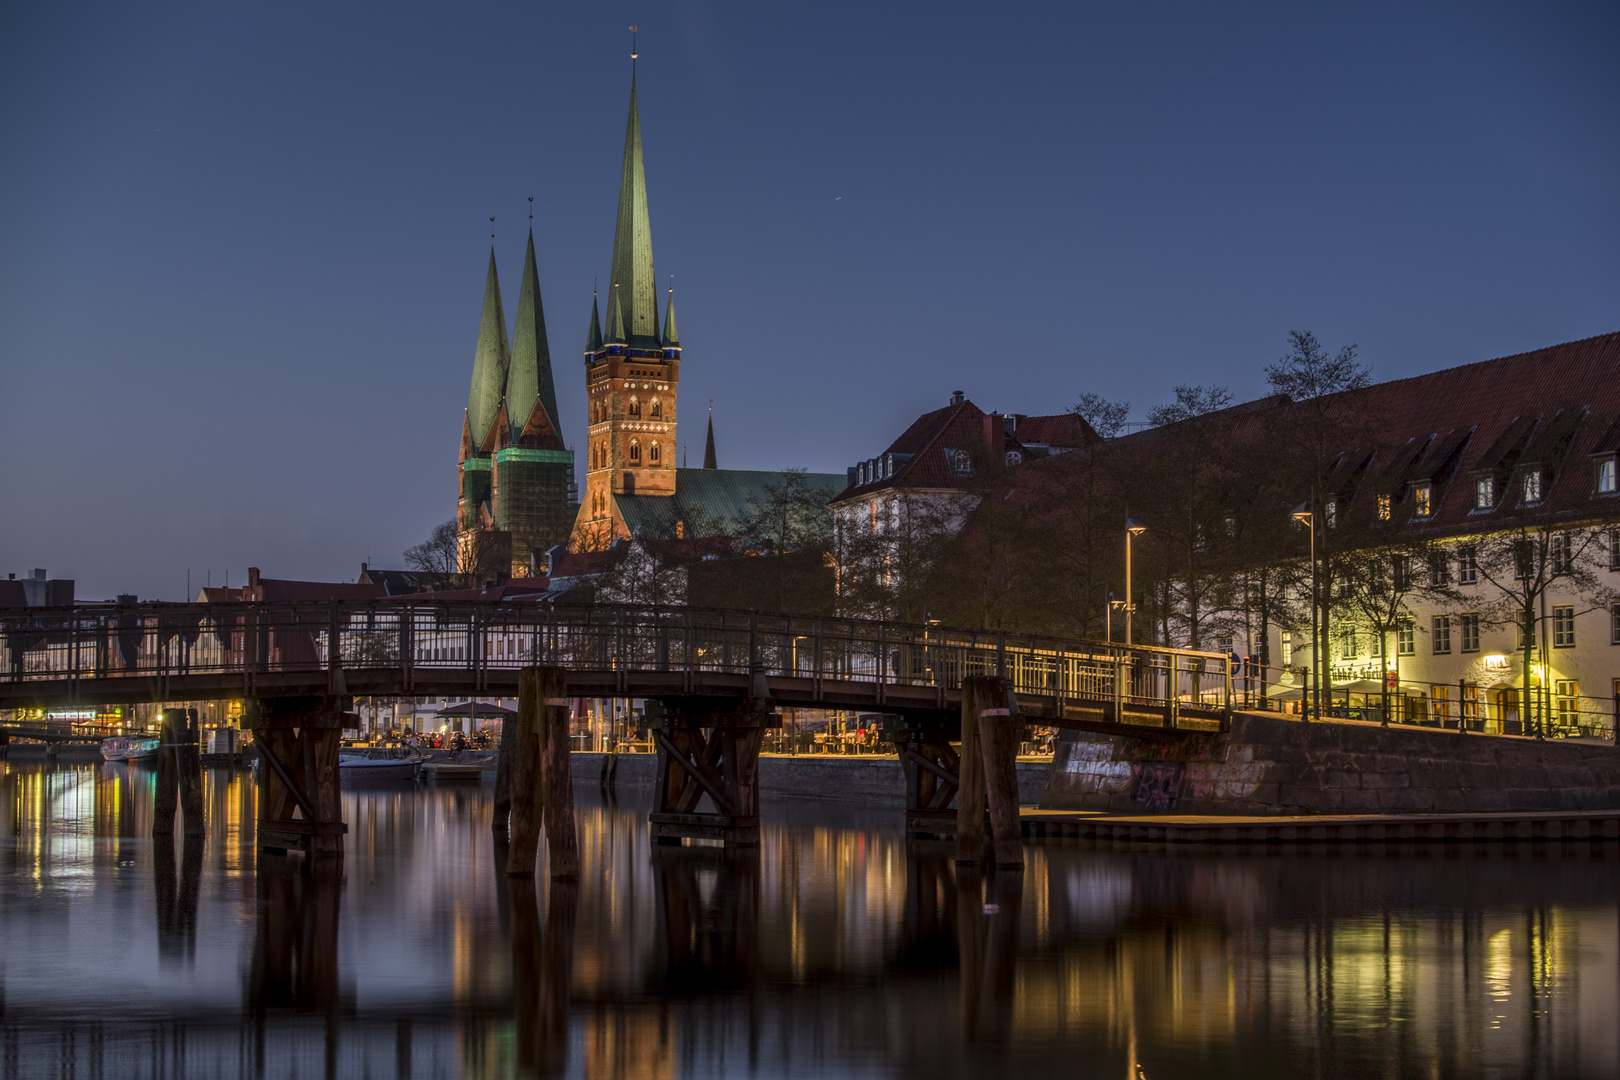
x=1001 y=654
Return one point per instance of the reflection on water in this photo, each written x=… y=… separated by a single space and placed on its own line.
x=837 y=949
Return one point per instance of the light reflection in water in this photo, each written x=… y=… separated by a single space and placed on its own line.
x=837 y=948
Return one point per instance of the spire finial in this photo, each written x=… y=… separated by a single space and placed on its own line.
x=531 y=209
x=633 y=53
x=492 y=228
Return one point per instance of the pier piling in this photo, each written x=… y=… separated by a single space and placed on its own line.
x=188 y=760
x=556 y=775
x=524 y=794
x=166 y=799
x=976 y=696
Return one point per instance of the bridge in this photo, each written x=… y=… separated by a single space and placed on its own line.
x=717 y=677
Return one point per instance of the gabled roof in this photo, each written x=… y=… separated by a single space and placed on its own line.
x=1062 y=430
x=529 y=386
x=280 y=590
x=723 y=498
x=958 y=426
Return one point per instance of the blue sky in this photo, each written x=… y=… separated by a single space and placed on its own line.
x=242 y=247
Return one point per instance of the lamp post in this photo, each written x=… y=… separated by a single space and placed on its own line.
x=1133 y=528
x=1305 y=514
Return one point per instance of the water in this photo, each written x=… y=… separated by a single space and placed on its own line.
x=838 y=950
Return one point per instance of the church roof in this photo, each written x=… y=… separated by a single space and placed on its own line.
x=490 y=361
x=632 y=242
x=528 y=380
x=710 y=461
x=723 y=499
x=672 y=337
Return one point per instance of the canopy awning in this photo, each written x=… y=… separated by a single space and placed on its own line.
x=477 y=708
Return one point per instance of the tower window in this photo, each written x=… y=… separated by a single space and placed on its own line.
x=635 y=408
x=652 y=454
x=657 y=409
x=635 y=452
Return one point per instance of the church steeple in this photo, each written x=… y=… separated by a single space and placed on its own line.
x=615 y=327
x=709 y=461
x=672 y=339
x=528 y=381
x=632 y=241
x=490 y=361
x=593 y=336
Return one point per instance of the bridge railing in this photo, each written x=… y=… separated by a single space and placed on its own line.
x=423 y=636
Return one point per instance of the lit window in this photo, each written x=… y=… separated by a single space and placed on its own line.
x=1532 y=487
x=1467 y=566
x=1470 y=632
x=1332 y=513
x=1406 y=639
x=1484 y=493
x=1347 y=645
x=1605 y=476
x=1560 y=556
x=1383 y=507
x=1563 y=618
x=1288 y=641
x=1442 y=634
x=1422 y=495
x=1567 y=702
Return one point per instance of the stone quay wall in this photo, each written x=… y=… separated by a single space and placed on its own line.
x=1268 y=764
x=853 y=778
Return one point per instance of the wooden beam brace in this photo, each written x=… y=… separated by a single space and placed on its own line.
x=287 y=781
x=721 y=803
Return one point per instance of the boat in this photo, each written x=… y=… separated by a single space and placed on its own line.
x=451 y=772
x=130 y=747
x=361 y=767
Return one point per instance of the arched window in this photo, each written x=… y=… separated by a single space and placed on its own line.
x=657 y=409
x=652 y=454
x=635 y=452
x=635 y=408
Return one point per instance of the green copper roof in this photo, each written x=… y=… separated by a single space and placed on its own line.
x=615 y=327
x=723 y=499
x=632 y=239
x=490 y=360
x=530 y=375
x=672 y=339
x=593 y=336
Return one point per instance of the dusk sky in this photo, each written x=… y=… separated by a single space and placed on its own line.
x=242 y=246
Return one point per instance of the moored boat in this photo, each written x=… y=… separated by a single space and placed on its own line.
x=450 y=772
x=359 y=767
x=130 y=747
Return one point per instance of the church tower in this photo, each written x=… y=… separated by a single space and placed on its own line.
x=632 y=370
x=517 y=481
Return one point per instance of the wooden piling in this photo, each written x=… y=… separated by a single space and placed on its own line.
x=999 y=727
x=165 y=801
x=503 y=776
x=557 y=775
x=970 y=792
x=188 y=758
x=525 y=792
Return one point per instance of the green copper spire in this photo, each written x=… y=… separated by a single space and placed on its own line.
x=593 y=336
x=632 y=240
x=615 y=327
x=672 y=339
x=490 y=360
x=529 y=379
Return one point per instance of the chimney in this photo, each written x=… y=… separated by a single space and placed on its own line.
x=253 y=577
x=37 y=575
x=957 y=397
x=995 y=432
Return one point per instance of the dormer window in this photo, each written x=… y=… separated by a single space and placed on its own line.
x=1385 y=507
x=1423 y=500
x=1605 y=476
x=1332 y=513
x=1532 y=487
x=1484 y=493
x=1014 y=457
x=960 y=461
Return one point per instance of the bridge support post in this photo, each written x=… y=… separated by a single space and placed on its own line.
x=166 y=799
x=188 y=756
x=299 y=805
x=932 y=770
x=989 y=773
x=542 y=782
x=715 y=752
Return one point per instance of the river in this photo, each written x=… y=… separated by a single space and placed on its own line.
x=838 y=949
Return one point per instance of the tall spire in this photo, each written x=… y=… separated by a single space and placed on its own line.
x=528 y=381
x=708 y=448
x=632 y=239
x=490 y=361
x=615 y=326
x=672 y=339
x=593 y=336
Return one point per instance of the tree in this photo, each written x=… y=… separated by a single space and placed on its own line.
x=451 y=559
x=1378 y=581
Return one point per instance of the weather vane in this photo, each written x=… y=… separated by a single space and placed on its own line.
x=531 y=207
x=633 y=53
x=492 y=228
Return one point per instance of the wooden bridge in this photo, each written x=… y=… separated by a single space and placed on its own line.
x=717 y=677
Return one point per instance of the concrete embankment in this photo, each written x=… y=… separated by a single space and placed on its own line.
x=855 y=778
x=1268 y=764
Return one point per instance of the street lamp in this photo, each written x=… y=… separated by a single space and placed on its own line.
x=1305 y=514
x=1133 y=528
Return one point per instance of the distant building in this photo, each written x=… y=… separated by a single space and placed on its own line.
x=36 y=590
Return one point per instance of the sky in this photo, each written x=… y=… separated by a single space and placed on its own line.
x=243 y=246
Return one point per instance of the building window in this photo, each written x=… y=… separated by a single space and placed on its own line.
x=1560 y=556
x=1484 y=493
x=1347 y=644
x=1332 y=515
x=1439 y=569
x=1288 y=640
x=635 y=409
x=1467 y=566
x=653 y=454
x=874 y=515
x=1614 y=624
x=1383 y=507
x=1469 y=625
x=1470 y=703
x=1422 y=496
x=1614 y=549
x=1605 y=476
x=961 y=462
x=1563 y=618
x=1524 y=625
x=1442 y=704
x=635 y=452
x=1406 y=639
x=1399 y=567
x=1524 y=560
x=1532 y=487
x=657 y=409
x=1567 y=702
x=1442 y=635
x=1014 y=457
